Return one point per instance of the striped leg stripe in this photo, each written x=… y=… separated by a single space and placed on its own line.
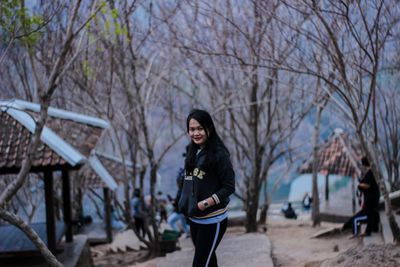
x=355 y=222
x=213 y=245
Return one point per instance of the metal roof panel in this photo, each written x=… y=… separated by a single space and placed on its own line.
x=98 y=167
x=55 y=112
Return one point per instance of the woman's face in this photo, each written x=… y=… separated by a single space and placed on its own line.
x=197 y=133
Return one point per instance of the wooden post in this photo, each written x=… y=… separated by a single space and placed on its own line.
x=107 y=211
x=66 y=193
x=353 y=195
x=327 y=187
x=50 y=221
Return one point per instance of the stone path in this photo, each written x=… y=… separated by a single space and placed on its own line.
x=253 y=249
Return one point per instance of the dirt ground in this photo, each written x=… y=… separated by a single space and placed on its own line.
x=103 y=258
x=293 y=245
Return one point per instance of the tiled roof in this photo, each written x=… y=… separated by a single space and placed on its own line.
x=113 y=166
x=82 y=137
x=67 y=138
x=14 y=139
x=340 y=154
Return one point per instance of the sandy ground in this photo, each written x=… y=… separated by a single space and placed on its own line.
x=293 y=244
x=102 y=258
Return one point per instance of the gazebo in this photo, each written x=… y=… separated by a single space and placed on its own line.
x=66 y=142
x=96 y=174
x=340 y=154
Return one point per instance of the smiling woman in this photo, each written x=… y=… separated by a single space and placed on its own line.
x=209 y=181
x=197 y=133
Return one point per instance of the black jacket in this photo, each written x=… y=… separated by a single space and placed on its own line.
x=372 y=194
x=217 y=182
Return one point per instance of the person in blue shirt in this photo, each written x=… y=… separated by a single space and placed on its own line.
x=137 y=213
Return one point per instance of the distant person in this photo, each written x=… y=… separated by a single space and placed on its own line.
x=176 y=216
x=370 y=190
x=116 y=223
x=288 y=212
x=82 y=219
x=209 y=181
x=162 y=202
x=138 y=213
x=307 y=200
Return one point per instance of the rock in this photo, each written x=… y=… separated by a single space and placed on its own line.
x=124 y=241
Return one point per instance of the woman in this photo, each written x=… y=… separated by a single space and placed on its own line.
x=370 y=190
x=208 y=182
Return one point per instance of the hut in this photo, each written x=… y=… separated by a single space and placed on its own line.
x=66 y=143
x=96 y=174
x=93 y=176
x=339 y=154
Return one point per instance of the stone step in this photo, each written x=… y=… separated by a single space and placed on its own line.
x=386 y=231
x=374 y=238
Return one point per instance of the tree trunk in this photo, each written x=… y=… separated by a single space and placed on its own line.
x=265 y=206
x=252 y=207
x=316 y=218
x=155 y=247
x=263 y=213
x=33 y=236
x=327 y=187
x=394 y=227
x=382 y=186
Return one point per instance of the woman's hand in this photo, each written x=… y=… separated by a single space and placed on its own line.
x=201 y=206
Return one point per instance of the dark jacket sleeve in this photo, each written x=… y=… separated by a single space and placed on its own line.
x=226 y=176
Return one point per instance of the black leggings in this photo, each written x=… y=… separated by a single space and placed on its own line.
x=139 y=225
x=206 y=238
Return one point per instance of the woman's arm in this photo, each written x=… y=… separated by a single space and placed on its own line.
x=226 y=175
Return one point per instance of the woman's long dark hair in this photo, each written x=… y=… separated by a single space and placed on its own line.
x=213 y=142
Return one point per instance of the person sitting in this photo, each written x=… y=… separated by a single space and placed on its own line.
x=289 y=212
x=357 y=219
x=307 y=200
x=116 y=223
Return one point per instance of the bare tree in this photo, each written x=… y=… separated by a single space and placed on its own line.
x=28 y=198
x=231 y=62
x=353 y=36
x=389 y=129
x=46 y=83
x=129 y=78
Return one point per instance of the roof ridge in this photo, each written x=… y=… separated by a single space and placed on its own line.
x=55 y=112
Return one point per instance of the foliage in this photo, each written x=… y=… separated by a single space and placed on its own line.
x=19 y=23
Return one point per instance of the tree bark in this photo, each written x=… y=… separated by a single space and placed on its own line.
x=315 y=214
x=33 y=236
x=252 y=207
